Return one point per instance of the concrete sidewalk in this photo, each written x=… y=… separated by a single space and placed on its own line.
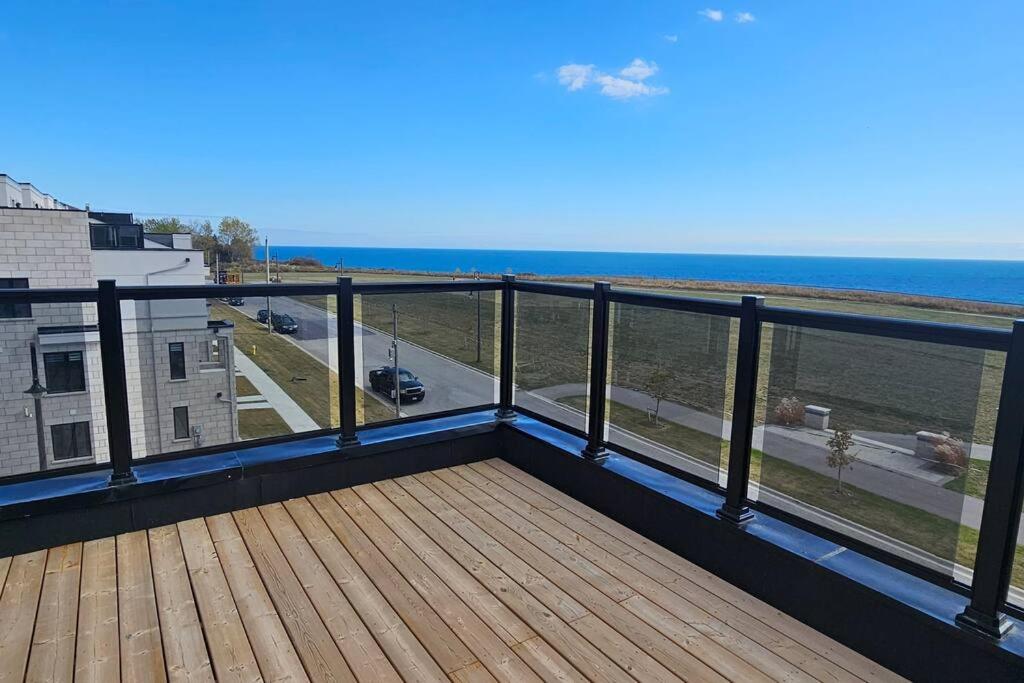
x=294 y=416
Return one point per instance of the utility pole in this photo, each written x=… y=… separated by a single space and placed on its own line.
x=394 y=346
x=266 y=257
x=216 y=274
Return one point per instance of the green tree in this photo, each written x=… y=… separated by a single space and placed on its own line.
x=237 y=239
x=203 y=236
x=839 y=456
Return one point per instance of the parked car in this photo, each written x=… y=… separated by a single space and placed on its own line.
x=283 y=323
x=382 y=380
x=262 y=315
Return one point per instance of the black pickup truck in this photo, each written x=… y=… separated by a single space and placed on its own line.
x=382 y=380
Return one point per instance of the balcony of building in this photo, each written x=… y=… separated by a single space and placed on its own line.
x=599 y=484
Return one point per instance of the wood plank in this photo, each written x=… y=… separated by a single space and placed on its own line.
x=442 y=643
x=313 y=642
x=5 y=565
x=98 y=649
x=18 y=612
x=717 y=644
x=538 y=585
x=184 y=647
x=142 y=654
x=360 y=650
x=489 y=649
x=546 y=661
x=670 y=654
x=590 y=572
x=635 y=661
x=793 y=640
x=474 y=673
x=53 y=643
x=502 y=620
x=267 y=636
x=475 y=550
x=230 y=653
x=406 y=653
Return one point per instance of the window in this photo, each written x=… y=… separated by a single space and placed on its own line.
x=177 y=355
x=71 y=441
x=181 y=422
x=115 y=236
x=14 y=310
x=64 y=372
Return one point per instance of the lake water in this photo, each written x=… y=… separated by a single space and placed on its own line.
x=996 y=281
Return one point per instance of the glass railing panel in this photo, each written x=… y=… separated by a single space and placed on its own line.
x=669 y=376
x=552 y=356
x=54 y=412
x=211 y=372
x=447 y=353
x=886 y=441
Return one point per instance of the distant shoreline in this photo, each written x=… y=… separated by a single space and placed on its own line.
x=1000 y=283
x=725 y=287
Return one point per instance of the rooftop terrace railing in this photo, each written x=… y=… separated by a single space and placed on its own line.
x=695 y=387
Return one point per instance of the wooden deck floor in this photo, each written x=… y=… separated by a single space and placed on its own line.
x=473 y=573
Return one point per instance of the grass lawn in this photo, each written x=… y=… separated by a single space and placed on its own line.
x=696 y=444
x=244 y=387
x=308 y=381
x=974 y=481
x=942 y=537
x=261 y=422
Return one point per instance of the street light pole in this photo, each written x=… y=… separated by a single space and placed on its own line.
x=266 y=257
x=478 y=330
x=37 y=391
x=394 y=345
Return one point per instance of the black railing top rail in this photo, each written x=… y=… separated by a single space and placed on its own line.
x=426 y=287
x=949 y=334
x=676 y=303
x=164 y=292
x=49 y=296
x=574 y=291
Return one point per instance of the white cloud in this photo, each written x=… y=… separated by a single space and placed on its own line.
x=745 y=18
x=671 y=38
x=623 y=88
x=575 y=76
x=712 y=14
x=629 y=83
x=639 y=70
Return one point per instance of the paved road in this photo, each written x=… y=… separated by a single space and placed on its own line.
x=449 y=384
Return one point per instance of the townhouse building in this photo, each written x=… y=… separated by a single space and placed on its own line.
x=179 y=363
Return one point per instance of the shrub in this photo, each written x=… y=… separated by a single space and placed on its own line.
x=789 y=411
x=951 y=455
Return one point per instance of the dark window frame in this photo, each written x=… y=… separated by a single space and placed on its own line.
x=68 y=381
x=178 y=369
x=128 y=237
x=187 y=426
x=14 y=310
x=78 y=441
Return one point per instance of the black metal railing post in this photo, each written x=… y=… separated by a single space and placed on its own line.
x=115 y=384
x=346 y=362
x=595 y=449
x=741 y=438
x=506 y=410
x=1000 y=518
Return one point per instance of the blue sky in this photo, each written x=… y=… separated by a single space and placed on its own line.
x=859 y=128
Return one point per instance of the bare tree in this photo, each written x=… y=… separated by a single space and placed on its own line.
x=657 y=384
x=839 y=455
